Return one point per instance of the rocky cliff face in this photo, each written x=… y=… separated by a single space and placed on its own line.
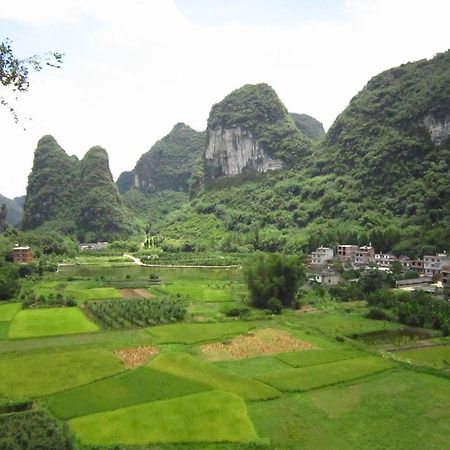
x=250 y=130
x=439 y=128
x=231 y=151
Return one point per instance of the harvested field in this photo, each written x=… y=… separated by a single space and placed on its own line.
x=136 y=356
x=266 y=341
x=135 y=293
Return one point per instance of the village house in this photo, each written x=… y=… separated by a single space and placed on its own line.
x=327 y=278
x=364 y=256
x=321 y=256
x=346 y=252
x=94 y=246
x=384 y=260
x=445 y=275
x=22 y=255
x=432 y=263
x=416 y=265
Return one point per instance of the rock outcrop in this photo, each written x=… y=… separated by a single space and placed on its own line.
x=439 y=128
x=250 y=130
x=234 y=150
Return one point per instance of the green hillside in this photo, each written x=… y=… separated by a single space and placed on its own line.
x=14 y=210
x=309 y=126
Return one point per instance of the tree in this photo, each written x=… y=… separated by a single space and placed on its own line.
x=274 y=276
x=14 y=72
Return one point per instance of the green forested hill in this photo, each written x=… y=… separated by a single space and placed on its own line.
x=72 y=196
x=309 y=126
x=381 y=176
x=14 y=210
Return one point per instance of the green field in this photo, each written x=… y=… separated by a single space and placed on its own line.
x=191 y=333
x=213 y=416
x=80 y=291
x=141 y=385
x=8 y=311
x=50 y=322
x=201 y=290
x=186 y=366
x=36 y=375
x=307 y=378
x=438 y=356
x=313 y=357
x=252 y=367
x=392 y=410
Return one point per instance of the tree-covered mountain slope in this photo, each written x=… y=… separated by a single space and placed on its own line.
x=250 y=130
x=381 y=175
x=72 y=196
x=309 y=126
x=14 y=210
x=168 y=165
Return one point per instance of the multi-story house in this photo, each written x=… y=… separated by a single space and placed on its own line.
x=22 y=255
x=384 y=260
x=321 y=256
x=364 y=256
x=432 y=263
x=346 y=252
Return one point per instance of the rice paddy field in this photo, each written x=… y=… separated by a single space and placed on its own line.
x=300 y=380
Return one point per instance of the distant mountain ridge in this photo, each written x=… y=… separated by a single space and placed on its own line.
x=14 y=209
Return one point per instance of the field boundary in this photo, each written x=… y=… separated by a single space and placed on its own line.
x=181 y=266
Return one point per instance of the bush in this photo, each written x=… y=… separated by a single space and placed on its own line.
x=274 y=306
x=378 y=314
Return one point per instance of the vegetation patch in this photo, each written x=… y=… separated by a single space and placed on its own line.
x=251 y=367
x=186 y=366
x=8 y=311
x=191 y=333
x=314 y=357
x=132 y=313
x=135 y=293
x=50 y=322
x=312 y=377
x=135 y=356
x=205 y=417
x=36 y=375
x=437 y=356
x=266 y=341
x=32 y=430
x=394 y=409
x=133 y=387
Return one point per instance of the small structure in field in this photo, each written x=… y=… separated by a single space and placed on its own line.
x=94 y=246
x=327 y=278
x=22 y=255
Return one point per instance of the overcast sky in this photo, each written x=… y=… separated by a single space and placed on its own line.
x=135 y=68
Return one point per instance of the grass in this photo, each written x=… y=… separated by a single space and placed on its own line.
x=4 y=330
x=213 y=416
x=307 y=378
x=137 y=386
x=438 y=356
x=313 y=357
x=253 y=366
x=50 y=322
x=77 y=290
x=200 y=290
x=191 y=333
x=186 y=366
x=105 y=339
x=393 y=410
x=8 y=311
x=47 y=373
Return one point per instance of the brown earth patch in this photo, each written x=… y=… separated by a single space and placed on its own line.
x=307 y=308
x=135 y=356
x=135 y=293
x=266 y=341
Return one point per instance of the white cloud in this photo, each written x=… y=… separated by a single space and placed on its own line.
x=148 y=67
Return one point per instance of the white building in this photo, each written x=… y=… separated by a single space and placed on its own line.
x=384 y=260
x=432 y=264
x=321 y=256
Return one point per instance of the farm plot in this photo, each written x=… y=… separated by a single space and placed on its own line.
x=205 y=417
x=7 y=313
x=252 y=367
x=266 y=341
x=312 y=377
x=134 y=387
x=437 y=356
x=296 y=359
x=77 y=290
x=135 y=293
x=50 y=322
x=132 y=313
x=192 y=333
x=392 y=410
x=46 y=373
x=184 y=365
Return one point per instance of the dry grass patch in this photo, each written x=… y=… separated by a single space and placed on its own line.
x=135 y=293
x=136 y=356
x=266 y=341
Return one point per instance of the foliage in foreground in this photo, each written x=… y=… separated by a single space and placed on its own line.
x=31 y=430
x=131 y=313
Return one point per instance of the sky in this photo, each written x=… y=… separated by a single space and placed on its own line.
x=133 y=69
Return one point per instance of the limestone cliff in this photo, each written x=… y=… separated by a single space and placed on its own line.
x=250 y=130
x=438 y=127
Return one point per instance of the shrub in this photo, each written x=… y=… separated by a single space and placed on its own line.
x=274 y=306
